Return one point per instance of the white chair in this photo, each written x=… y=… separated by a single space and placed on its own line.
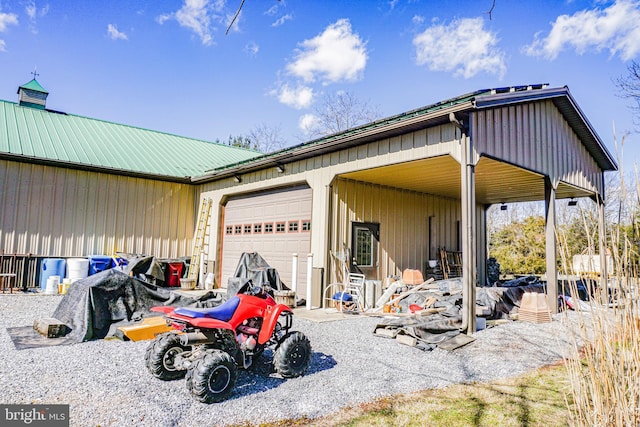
x=346 y=297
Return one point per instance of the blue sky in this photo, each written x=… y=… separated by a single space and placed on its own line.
x=168 y=65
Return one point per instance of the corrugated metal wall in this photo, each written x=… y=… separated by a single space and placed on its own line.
x=404 y=223
x=53 y=211
x=536 y=136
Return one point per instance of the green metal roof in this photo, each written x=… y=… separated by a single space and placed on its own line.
x=45 y=135
x=33 y=85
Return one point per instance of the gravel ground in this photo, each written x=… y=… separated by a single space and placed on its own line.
x=106 y=383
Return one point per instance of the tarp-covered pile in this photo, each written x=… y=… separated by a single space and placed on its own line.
x=95 y=306
x=437 y=322
x=253 y=270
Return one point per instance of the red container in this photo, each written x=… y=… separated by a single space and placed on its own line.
x=173 y=273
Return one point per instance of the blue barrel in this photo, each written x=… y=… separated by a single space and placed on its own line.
x=51 y=267
x=98 y=263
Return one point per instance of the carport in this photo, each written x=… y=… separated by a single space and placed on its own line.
x=448 y=162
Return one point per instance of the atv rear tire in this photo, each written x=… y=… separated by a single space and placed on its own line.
x=160 y=357
x=213 y=376
x=293 y=355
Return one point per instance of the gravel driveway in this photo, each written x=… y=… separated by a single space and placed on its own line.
x=106 y=382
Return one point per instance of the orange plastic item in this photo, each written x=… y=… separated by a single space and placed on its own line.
x=412 y=277
x=147 y=329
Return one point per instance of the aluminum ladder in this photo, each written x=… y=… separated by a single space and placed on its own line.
x=199 y=238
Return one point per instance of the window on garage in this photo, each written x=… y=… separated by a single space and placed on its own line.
x=280 y=227
x=257 y=228
x=268 y=227
x=293 y=226
x=247 y=229
x=364 y=241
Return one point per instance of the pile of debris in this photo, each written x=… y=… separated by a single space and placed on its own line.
x=427 y=314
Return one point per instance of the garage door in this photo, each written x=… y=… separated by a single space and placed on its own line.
x=276 y=224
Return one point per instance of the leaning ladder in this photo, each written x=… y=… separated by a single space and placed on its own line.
x=199 y=238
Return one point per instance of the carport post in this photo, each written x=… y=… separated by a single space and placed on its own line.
x=468 y=202
x=551 y=244
x=602 y=237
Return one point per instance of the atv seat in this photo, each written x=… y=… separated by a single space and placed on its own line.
x=222 y=312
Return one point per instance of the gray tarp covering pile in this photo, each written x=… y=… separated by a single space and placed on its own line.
x=429 y=330
x=442 y=329
x=95 y=306
x=252 y=267
x=504 y=300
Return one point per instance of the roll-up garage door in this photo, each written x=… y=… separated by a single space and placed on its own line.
x=276 y=224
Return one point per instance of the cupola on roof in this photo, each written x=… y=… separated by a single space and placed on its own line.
x=33 y=95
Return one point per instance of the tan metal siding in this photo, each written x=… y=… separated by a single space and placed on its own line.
x=537 y=137
x=319 y=172
x=404 y=220
x=63 y=212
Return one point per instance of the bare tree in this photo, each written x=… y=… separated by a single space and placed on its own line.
x=341 y=111
x=629 y=86
x=267 y=138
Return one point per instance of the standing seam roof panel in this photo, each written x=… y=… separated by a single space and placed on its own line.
x=57 y=136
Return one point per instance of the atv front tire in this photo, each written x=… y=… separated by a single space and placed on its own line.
x=292 y=356
x=213 y=376
x=160 y=357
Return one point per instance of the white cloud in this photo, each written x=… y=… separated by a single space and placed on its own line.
x=272 y=10
x=31 y=10
x=114 y=34
x=417 y=19
x=252 y=48
x=197 y=16
x=282 y=20
x=615 y=28
x=463 y=46
x=307 y=123
x=7 y=19
x=297 y=97
x=335 y=55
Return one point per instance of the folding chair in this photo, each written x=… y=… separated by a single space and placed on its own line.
x=7 y=278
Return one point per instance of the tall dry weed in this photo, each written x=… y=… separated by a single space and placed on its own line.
x=604 y=365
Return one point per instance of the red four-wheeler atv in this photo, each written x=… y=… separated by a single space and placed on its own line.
x=210 y=344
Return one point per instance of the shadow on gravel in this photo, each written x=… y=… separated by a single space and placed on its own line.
x=261 y=376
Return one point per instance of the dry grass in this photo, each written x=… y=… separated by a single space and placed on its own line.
x=604 y=368
x=535 y=399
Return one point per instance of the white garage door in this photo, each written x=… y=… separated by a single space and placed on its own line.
x=276 y=224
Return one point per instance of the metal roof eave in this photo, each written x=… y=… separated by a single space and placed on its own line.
x=93 y=168
x=382 y=129
x=567 y=105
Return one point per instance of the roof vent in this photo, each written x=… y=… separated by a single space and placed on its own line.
x=32 y=95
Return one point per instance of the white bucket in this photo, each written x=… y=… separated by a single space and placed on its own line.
x=77 y=268
x=52 y=285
